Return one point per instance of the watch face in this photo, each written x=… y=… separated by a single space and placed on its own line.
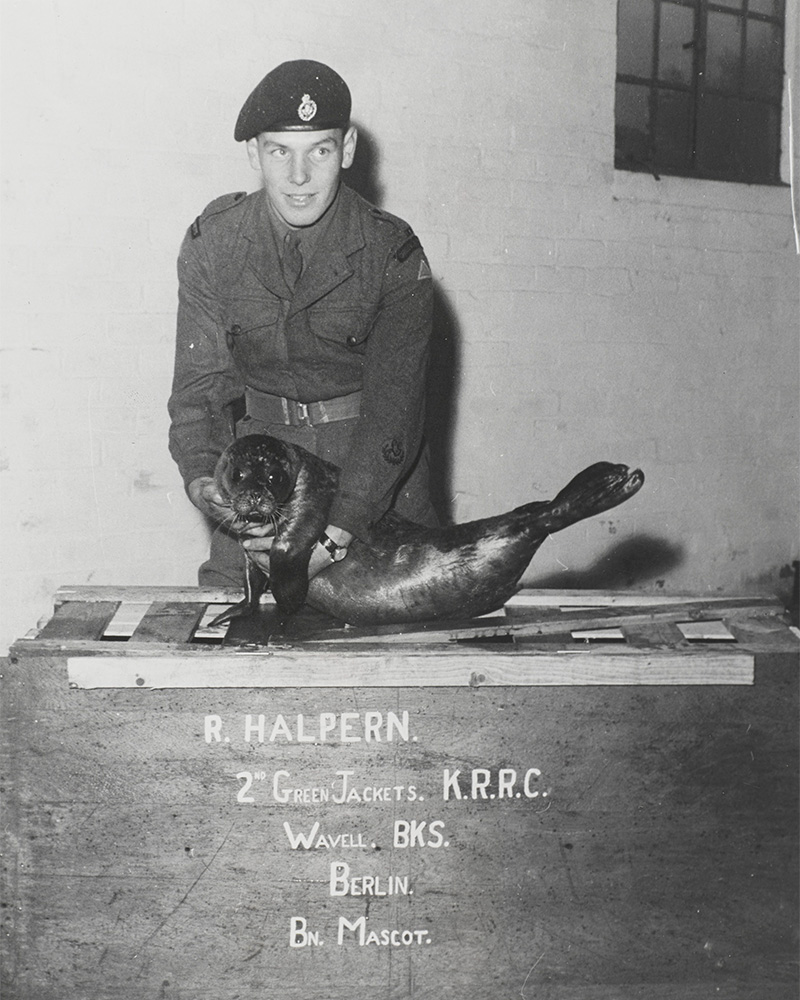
x=339 y=553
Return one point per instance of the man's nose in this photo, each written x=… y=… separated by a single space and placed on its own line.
x=299 y=170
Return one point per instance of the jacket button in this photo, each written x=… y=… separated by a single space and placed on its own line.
x=352 y=341
x=236 y=329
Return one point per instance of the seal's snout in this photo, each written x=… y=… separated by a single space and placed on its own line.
x=253 y=506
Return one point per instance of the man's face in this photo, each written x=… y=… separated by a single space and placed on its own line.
x=301 y=170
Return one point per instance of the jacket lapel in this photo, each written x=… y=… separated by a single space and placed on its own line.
x=330 y=265
x=262 y=254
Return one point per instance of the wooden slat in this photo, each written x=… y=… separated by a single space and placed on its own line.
x=80 y=620
x=169 y=621
x=598 y=635
x=525 y=598
x=530 y=598
x=705 y=631
x=126 y=620
x=417 y=667
x=135 y=595
x=779 y=641
x=553 y=621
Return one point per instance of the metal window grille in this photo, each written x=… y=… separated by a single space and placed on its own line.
x=699 y=88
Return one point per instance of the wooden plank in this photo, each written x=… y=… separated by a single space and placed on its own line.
x=525 y=598
x=705 y=631
x=554 y=622
x=169 y=621
x=126 y=620
x=80 y=620
x=598 y=635
x=437 y=667
x=531 y=598
x=135 y=595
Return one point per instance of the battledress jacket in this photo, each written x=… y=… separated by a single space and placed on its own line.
x=359 y=318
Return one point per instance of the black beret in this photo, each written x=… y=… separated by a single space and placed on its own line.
x=302 y=95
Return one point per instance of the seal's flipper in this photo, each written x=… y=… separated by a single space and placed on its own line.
x=288 y=579
x=593 y=491
x=256 y=583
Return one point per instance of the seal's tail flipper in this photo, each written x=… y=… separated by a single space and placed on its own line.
x=596 y=489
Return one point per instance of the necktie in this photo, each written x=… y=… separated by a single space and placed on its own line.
x=292 y=259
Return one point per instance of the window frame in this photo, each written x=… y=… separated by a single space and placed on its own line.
x=699 y=90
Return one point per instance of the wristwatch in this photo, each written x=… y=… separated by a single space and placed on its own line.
x=336 y=552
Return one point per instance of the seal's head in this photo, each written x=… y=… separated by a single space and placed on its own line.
x=255 y=478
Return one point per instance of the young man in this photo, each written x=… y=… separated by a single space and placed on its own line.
x=310 y=310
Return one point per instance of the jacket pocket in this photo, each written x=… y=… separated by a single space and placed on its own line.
x=345 y=326
x=252 y=332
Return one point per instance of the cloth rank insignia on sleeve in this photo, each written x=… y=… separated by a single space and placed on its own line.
x=404 y=252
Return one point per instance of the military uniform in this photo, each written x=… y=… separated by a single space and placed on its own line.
x=354 y=330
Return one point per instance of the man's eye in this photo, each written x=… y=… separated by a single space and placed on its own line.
x=279 y=152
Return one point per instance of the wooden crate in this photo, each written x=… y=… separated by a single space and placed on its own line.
x=526 y=805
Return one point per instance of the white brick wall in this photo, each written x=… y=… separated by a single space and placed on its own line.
x=598 y=314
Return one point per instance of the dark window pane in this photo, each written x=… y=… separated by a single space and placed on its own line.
x=773 y=8
x=635 y=37
x=673 y=135
x=758 y=144
x=763 y=59
x=718 y=131
x=633 y=124
x=723 y=52
x=675 y=48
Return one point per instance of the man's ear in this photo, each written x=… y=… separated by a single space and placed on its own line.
x=252 y=153
x=349 y=146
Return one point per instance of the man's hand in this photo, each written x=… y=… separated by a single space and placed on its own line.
x=207 y=498
x=259 y=539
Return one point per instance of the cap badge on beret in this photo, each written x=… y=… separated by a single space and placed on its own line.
x=307 y=109
x=295 y=96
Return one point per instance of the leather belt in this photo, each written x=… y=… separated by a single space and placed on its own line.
x=280 y=410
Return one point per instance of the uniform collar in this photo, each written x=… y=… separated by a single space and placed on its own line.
x=328 y=264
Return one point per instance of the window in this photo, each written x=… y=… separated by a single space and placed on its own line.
x=699 y=88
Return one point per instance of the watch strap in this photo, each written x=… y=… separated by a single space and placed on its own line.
x=335 y=551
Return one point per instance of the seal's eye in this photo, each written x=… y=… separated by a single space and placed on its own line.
x=236 y=476
x=278 y=483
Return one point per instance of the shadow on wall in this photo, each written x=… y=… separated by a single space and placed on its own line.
x=362 y=177
x=441 y=399
x=636 y=560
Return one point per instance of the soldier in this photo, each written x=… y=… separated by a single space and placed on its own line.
x=304 y=313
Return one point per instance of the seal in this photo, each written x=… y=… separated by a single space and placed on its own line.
x=403 y=572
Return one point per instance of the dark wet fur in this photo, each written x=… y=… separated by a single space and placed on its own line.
x=404 y=571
